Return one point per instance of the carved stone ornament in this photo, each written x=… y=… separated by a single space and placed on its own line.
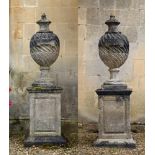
x=44 y=49
x=113 y=49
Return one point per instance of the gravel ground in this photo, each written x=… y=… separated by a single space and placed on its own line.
x=84 y=147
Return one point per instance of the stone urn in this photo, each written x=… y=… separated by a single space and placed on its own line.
x=113 y=49
x=44 y=49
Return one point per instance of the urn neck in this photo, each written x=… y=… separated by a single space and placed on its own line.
x=112 y=24
x=44 y=23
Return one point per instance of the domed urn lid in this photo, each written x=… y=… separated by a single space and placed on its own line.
x=112 y=24
x=44 y=23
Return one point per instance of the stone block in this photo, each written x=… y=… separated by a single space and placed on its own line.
x=92 y=68
x=30 y=3
x=67 y=31
x=142 y=4
x=45 y=117
x=58 y=3
x=142 y=18
x=29 y=30
x=16 y=46
x=94 y=32
x=129 y=18
x=59 y=15
x=27 y=64
x=88 y=3
x=81 y=32
x=71 y=47
x=114 y=118
x=135 y=4
x=131 y=33
x=26 y=47
x=110 y=4
x=126 y=17
x=122 y=4
x=17 y=30
x=126 y=70
x=49 y=3
x=45 y=114
x=82 y=12
x=17 y=14
x=140 y=52
x=91 y=50
x=93 y=16
x=16 y=3
x=141 y=34
x=138 y=68
x=69 y=3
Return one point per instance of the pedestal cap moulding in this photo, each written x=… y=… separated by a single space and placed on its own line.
x=44 y=49
x=113 y=49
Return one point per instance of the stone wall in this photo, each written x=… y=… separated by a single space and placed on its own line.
x=79 y=24
x=23 y=70
x=92 y=15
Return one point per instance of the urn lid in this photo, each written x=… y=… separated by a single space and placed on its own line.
x=112 y=24
x=44 y=23
x=112 y=21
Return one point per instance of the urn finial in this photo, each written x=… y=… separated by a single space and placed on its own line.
x=44 y=23
x=112 y=24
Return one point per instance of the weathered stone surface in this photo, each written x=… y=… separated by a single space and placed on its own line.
x=67 y=31
x=142 y=4
x=58 y=3
x=82 y=12
x=142 y=18
x=93 y=32
x=93 y=16
x=31 y=65
x=16 y=3
x=17 y=30
x=138 y=68
x=45 y=116
x=88 y=3
x=59 y=15
x=29 y=30
x=110 y=4
x=30 y=3
x=18 y=13
x=81 y=32
x=122 y=4
x=141 y=35
x=71 y=47
x=131 y=32
x=114 y=118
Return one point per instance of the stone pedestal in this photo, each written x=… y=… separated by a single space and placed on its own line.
x=114 y=116
x=45 y=116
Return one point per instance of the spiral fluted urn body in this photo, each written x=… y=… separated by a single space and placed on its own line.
x=113 y=45
x=44 y=45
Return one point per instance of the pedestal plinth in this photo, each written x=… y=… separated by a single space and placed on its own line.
x=45 y=116
x=114 y=116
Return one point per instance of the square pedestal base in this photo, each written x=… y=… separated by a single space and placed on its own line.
x=41 y=140
x=114 y=116
x=130 y=143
